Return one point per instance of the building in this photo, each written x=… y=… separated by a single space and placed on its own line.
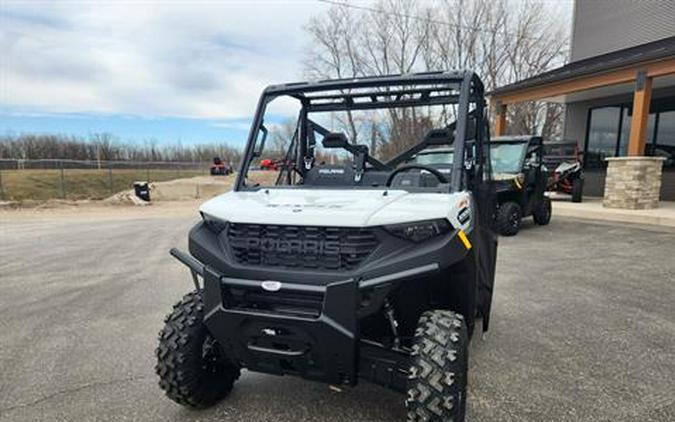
x=619 y=92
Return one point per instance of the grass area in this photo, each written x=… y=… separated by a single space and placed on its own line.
x=18 y=185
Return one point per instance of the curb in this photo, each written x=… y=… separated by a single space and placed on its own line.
x=664 y=217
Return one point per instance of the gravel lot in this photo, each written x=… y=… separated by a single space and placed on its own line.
x=583 y=327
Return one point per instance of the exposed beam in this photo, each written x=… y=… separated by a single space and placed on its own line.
x=638 y=124
x=500 y=121
x=615 y=77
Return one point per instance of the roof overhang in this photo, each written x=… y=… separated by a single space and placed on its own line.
x=560 y=91
x=614 y=69
x=620 y=90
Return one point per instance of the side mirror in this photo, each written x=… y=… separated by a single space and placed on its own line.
x=335 y=140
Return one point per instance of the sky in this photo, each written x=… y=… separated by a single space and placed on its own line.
x=173 y=71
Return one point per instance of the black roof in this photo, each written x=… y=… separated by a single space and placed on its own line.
x=440 y=77
x=387 y=91
x=656 y=50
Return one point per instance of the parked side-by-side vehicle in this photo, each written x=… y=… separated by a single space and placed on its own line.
x=519 y=176
x=355 y=263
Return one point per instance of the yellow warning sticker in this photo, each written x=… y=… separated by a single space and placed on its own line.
x=464 y=239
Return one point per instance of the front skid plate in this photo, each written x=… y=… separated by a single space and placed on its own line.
x=322 y=349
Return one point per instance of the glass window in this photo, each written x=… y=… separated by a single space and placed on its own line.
x=665 y=138
x=602 y=136
x=506 y=157
x=626 y=117
x=625 y=129
x=439 y=156
x=289 y=148
x=651 y=123
x=273 y=139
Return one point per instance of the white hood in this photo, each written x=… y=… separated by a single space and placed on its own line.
x=324 y=207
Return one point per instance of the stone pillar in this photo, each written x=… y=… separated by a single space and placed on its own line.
x=633 y=182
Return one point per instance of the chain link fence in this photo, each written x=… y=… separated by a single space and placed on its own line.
x=75 y=179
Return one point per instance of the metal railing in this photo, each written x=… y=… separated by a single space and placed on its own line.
x=85 y=179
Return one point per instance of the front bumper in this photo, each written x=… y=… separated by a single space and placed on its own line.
x=305 y=329
x=321 y=348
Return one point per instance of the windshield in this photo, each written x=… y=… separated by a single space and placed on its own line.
x=507 y=157
x=357 y=134
x=433 y=157
x=349 y=148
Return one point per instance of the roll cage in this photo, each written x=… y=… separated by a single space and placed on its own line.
x=461 y=88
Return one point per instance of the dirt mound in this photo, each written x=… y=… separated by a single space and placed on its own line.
x=9 y=204
x=200 y=187
x=125 y=198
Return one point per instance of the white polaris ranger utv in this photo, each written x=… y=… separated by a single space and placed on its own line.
x=343 y=262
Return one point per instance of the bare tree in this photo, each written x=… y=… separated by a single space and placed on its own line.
x=500 y=42
x=104 y=146
x=281 y=136
x=333 y=51
x=536 y=44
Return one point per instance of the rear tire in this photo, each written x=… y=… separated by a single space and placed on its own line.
x=193 y=370
x=439 y=366
x=542 y=214
x=577 y=190
x=509 y=216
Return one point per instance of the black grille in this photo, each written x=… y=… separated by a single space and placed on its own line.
x=307 y=247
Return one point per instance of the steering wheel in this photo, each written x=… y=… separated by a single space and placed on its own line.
x=440 y=176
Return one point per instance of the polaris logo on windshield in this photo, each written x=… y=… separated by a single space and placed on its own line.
x=306 y=247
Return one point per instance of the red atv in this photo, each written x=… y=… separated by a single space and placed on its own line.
x=268 y=164
x=568 y=176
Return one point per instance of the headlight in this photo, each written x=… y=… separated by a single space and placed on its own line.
x=214 y=224
x=419 y=231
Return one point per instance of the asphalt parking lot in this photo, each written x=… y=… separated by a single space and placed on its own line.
x=583 y=329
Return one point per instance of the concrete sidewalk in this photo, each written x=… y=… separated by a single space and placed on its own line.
x=592 y=209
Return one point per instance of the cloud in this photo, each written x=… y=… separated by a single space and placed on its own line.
x=242 y=125
x=180 y=59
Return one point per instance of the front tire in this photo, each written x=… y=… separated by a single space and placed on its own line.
x=193 y=370
x=577 y=189
x=439 y=366
x=509 y=217
x=542 y=214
